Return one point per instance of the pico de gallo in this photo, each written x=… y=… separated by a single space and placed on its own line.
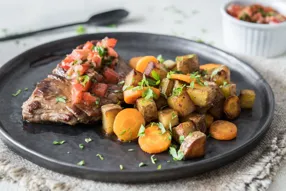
x=90 y=69
x=255 y=13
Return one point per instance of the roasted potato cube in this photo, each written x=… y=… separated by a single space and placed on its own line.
x=232 y=107
x=160 y=71
x=109 y=113
x=182 y=104
x=202 y=96
x=203 y=110
x=169 y=64
x=209 y=120
x=228 y=90
x=194 y=145
x=188 y=63
x=247 y=99
x=161 y=103
x=133 y=78
x=217 y=109
x=221 y=75
x=166 y=86
x=147 y=107
x=199 y=121
x=183 y=130
x=168 y=117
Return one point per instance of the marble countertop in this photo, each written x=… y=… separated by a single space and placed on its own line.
x=193 y=19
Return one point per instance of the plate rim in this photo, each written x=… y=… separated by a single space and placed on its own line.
x=259 y=135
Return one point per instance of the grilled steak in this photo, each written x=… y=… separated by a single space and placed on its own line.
x=54 y=100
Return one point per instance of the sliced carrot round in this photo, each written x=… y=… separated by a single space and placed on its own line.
x=131 y=95
x=223 y=130
x=182 y=77
x=133 y=61
x=144 y=61
x=127 y=124
x=153 y=141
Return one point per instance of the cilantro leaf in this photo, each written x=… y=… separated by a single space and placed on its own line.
x=141 y=131
x=153 y=159
x=121 y=167
x=100 y=156
x=59 y=142
x=149 y=94
x=101 y=50
x=159 y=167
x=81 y=163
x=155 y=75
x=174 y=115
x=176 y=155
x=81 y=146
x=160 y=58
x=123 y=132
x=141 y=164
x=178 y=91
x=181 y=138
x=192 y=84
x=83 y=79
x=162 y=128
x=26 y=89
x=17 y=93
x=61 y=99
x=87 y=140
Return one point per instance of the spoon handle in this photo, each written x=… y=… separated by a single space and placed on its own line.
x=11 y=37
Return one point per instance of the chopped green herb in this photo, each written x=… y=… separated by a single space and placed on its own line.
x=190 y=134
x=216 y=71
x=162 y=128
x=159 y=167
x=87 y=140
x=122 y=133
x=121 y=82
x=160 y=58
x=117 y=91
x=130 y=150
x=153 y=159
x=81 y=146
x=100 y=156
x=174 y=115
x=121 y=167
x=149 y=94
x=101 y=50
x=155 y=75
x=181 y=138
x=206 y=83
x=80 y=29
x=81 y=163
x=141 y=164
x=17 y=93
x=112 y=26
x=97 y=101
x=176 y=155
x=192 y=84
x=170 y=137
x=200 y=41
x=141 y=131
x=143 y=82
x=125 y=87
x=83 y=79
x=61 y=99
x=178 y=91
x=224 y=84
x=26 y=89
x=59 y=142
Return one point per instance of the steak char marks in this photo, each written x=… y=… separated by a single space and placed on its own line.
x=51 y=101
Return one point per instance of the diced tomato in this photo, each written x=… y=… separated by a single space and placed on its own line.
x=111 y=52
x=234 y=9
x=77 y=96
x=65 y=64
x=110 y=76
x=99 y=77
x=111 y=42
x=80 y=87
x=89 y=99
x=82 y=68
x=80 y=54
x=99 y=89
x=88 y=45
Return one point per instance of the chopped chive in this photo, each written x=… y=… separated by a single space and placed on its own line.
x=81 y=163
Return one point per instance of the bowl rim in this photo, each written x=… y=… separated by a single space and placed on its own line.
x=249 y=24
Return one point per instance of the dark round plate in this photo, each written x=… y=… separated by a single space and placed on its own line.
x=34 y=141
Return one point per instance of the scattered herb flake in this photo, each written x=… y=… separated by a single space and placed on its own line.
x=84 y=79
x=61 y=99
x=141 y=164
x=190 y=134
x=160 y=58
x=192 y=84
x=162 y=128
x=121 y=82
x=155 y=75
x=81 y=146
x=97 y=101
x=153 y=159
x=178 y=91
x=206 y=83
x=130 y=150
x=174 y=115
x=122 y=132
x=87 y=140
x=141 y=131
x=80 y=29
x=149 y=94
x=159 y=167
x=200 y=41
x=176 y=155
x=59 y=142
x=101 y=50
x=26 y=89
x=181 y=139
x=121 y=167
x=125 y=87
x=81 y=163
x=100 y=156
x=17 y=93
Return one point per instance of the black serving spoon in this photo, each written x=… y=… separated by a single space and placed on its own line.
x=101 y=19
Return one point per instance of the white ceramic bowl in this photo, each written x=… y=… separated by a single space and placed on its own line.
x=267 y=40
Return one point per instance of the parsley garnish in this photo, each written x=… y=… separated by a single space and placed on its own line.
x=170 y=73
x=121 y=82
x=153 y=159
x=59 y=142
x=173 y=115
x=160 y=58
x=130 y=150
x=181 y=138
x=190 y=134
x=141 y=131
x=192 y=84
x=87 y=140
x=162 y=128
x=80 y=29
x=197 y=77
x=149 y=94
x=101 y=50
x=176 y=155
x=125 y=87
x=159 y=167
x=83 y=79
x=81 y=163
x=144 y=82
x=141 y=164
x=17 y=93
x=224 y=84
x=81 y=146
x=61 y=99
x=121 y=167
x=178 y=91
x=26 y=89
x=155 y=75
x=100 y=156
